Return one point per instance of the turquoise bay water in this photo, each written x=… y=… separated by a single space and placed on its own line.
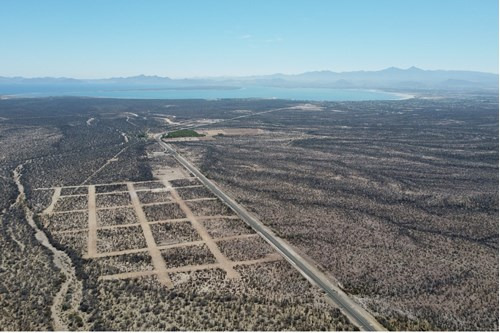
x=312 y=94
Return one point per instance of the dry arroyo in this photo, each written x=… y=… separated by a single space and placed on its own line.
x=389 y=206
x=71 y=287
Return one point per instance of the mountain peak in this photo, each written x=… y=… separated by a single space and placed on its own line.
x=392 y=69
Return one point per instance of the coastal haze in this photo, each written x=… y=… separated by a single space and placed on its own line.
x=391 y=83
x=221 y=166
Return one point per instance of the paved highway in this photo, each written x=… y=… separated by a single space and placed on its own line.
x=352 y=310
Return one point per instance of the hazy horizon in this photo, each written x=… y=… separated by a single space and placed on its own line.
x=198 y=39
x=251 y=165
x=235 y=76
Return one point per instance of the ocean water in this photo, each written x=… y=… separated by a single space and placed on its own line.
x=110 y=91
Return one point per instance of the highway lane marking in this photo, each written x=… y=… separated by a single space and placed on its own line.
x=356 y=314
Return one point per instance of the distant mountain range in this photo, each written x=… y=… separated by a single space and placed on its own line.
x=390 y=78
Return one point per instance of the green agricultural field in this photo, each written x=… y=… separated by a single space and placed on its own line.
x=185 y=133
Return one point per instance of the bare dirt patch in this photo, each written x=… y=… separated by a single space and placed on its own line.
x=171 y=173
x=308 y=107
x=232 y=131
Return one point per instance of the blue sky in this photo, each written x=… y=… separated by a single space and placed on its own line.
x=94 y=39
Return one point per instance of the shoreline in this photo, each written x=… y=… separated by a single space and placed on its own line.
x=258 y=93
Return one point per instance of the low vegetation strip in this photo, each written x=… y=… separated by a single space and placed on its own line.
x=185 y=133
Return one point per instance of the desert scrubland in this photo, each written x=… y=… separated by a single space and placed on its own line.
x=397 y=201
x=101 y=230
